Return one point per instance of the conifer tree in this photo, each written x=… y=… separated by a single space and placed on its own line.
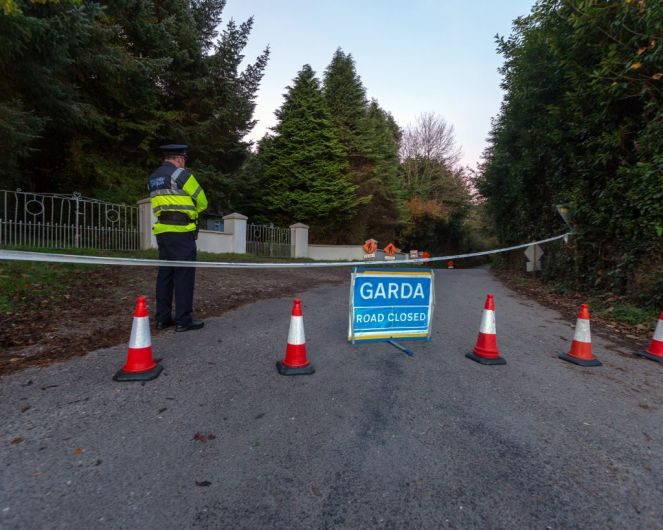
x=346 y=99
x=371 y=148
x=304 y=168
x=382 y=215
x=88 y=93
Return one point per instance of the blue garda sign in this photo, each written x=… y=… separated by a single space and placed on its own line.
x=388 y=304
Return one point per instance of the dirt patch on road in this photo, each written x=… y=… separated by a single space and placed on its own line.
x=97 y=312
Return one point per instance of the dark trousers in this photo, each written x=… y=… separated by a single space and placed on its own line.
x=176 y=280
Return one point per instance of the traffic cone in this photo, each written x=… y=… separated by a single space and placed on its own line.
x=450 y=264
x=655 y=350
x=581 y=347
x=485 y=351
x=295 y=362
x=140 y=365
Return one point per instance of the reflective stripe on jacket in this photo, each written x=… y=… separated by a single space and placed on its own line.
x=175 y=190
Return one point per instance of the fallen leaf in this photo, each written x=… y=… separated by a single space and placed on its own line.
x=200 y=437
x=657 y=76
x=17 y=440
x=203 y=483
x=316 y=491
x=77 y=452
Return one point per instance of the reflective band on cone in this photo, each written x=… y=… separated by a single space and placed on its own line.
x=140 y=365
x=295 y=361
x=581 y=347
x=655 y=350
x=485 y=351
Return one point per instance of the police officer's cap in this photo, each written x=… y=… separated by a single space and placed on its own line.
x=174 y=149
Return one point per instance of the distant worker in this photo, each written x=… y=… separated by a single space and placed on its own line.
x=177 y=201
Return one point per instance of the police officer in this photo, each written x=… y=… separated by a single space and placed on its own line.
x=177 y=201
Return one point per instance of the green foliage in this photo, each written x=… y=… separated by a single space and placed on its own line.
x=369 y=137
x=345 y=96
x=582 y=123
x=304 y=171
x=381 y=218
x=91 y=91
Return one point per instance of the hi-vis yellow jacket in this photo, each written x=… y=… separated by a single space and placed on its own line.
x=177 y=194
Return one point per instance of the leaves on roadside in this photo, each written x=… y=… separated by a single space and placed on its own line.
x=17 y=440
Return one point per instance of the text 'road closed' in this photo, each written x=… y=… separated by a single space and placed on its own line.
x=389 y=304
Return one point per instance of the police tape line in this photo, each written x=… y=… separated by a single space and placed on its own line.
x=18 y=255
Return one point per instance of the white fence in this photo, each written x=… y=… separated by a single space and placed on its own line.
x=66 y=221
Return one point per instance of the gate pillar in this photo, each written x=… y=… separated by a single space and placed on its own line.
x=146 y=219
x=235 y=224
x=299 y=240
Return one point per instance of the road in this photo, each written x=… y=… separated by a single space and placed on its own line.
x=373 y=439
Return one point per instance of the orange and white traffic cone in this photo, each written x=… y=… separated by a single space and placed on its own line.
x=140 y=365
x=295 y=362
x=581 y=347
x=485 y=351
x=655 y=350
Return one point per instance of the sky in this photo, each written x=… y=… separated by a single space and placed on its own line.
x=414 y=57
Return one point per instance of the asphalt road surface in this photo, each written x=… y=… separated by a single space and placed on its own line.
x=373 y=439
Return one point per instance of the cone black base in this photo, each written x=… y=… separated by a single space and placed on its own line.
x=656 y=358
x=295 y=370
x=579 y=362
x=147 y=375
x=485 y=360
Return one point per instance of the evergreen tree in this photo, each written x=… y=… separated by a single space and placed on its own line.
x=582 y=123
x=381 y=217
x=346 y=99
x=38 y=105
x=91 y=91
x=370 y=144
x=305 y=178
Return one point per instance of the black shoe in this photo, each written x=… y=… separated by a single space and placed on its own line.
x=164 y=325
x=190 y=326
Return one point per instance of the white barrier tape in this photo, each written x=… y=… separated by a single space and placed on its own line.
x=18 y=255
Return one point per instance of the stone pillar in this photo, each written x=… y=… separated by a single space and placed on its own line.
x=146 y=220
x=299 y=240
x=235 y=224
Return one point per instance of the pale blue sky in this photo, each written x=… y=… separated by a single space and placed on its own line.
x=413 y=56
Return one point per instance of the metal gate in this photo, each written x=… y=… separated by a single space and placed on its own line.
x=66 y=221
x=269 y=241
